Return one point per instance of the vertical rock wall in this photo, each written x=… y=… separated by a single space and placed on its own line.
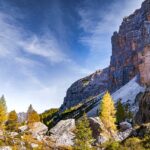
x=127 y=45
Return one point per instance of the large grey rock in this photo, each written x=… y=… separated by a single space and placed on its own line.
x=39 y=128
x=62 y=133
x=96 y=126
x=125 y=125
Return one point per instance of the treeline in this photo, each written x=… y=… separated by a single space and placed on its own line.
x=9 y=120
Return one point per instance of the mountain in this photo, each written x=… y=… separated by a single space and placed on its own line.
x=130 y=58
x=86 y=88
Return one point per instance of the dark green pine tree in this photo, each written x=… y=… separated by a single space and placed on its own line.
x=84 y=137
x=120 y=112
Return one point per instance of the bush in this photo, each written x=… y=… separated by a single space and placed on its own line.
x=133 y=144
x=113 y=146
x=146 y=142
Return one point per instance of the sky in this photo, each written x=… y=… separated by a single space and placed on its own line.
x=46 y=45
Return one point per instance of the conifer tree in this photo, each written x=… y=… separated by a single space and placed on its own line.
x=120 y=112
x=107 y=112
x=30 y=109
x=83 y=132
x=12 y=122
x=3 y=111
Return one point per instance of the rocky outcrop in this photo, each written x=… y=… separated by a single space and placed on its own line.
x=62 y=133
x=143 y=115
x=144 y=67
x=128 y=45
x=85 y=88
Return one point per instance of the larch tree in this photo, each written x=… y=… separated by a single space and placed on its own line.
x=12 y=122
x=120 y=112
x=3 y=111
x=32 y=115
x=107 y=112
x=83 y=134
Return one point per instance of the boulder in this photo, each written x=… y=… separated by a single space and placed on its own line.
x=120 y=136
x=102 y=139
x=125 y=125
x=62 y=133
x=96 y=126
x=38 y=128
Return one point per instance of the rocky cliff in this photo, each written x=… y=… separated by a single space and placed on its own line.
x=130 y=57
x=130 y=48
x=87 y=87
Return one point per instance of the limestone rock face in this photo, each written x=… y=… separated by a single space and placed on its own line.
x=85 y=88
x=62 y=133
x=144 y=67
x=143 y=115
x=128 y=45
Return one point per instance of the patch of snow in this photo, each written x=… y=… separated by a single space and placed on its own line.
x=128 y=92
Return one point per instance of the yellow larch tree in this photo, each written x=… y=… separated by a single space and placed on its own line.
x=107 y=112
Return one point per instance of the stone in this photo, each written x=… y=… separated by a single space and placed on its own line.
x=38 y=128
x=33 y=145
x=121 y=136
x=62 y=133
x=125 y=125
x=23 y=128
x=96 y=126
x=102 y=139
x=14 y=134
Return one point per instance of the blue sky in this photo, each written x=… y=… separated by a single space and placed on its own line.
x=45 y=45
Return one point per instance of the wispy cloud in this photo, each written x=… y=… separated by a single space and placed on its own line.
x=107 y=21
x=15 y=39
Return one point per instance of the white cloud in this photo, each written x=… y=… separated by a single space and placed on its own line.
x=108 y=21
x=14 y=39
